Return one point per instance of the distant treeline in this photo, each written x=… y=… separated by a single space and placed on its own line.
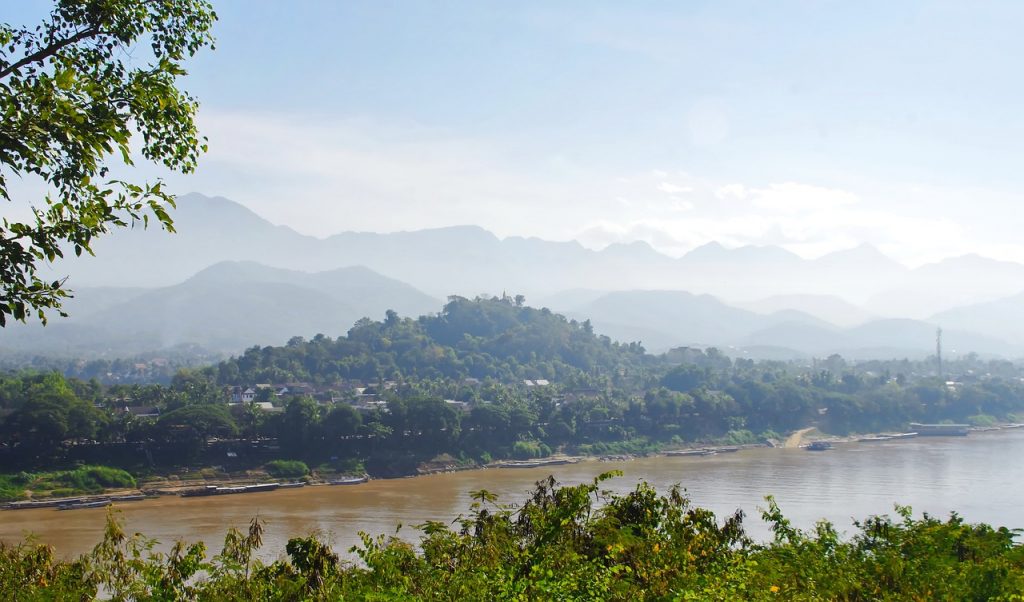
x=453 y=384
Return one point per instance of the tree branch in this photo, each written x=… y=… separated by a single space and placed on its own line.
x=50 y=50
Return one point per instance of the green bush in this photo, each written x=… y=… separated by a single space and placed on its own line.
x=64 y=483
x=982 y=420
x=739 y=437
x=563 y=543
x=287 y=468
x=524 y=450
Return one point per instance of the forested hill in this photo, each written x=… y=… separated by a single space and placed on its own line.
x=482 y=338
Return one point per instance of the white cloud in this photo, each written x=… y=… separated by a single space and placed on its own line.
x=794 y=197
x=735 y=191
x=322 y=176
x=673 y=189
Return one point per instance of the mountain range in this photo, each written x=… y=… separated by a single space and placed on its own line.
x=225 y=307
x=228 y=279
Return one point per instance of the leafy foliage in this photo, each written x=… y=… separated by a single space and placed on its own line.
x=73 y=92
x=481 y=338
x=564 y=543
x=84 y=479
x=287 y=468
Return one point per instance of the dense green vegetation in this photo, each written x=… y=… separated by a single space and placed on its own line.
x=564 y=543
x=287 y=468
x=81 y=480
x=498 y=339
x=394 y=394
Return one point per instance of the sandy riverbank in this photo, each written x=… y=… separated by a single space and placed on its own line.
x=797 y=438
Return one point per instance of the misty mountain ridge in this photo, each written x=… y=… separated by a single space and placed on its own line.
x=232 y=305
x=829 y=308
x=230 y=278
x=226 y=307
x=667 y=319
x=468 y=260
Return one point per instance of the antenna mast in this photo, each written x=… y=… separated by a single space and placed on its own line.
x=938 y=349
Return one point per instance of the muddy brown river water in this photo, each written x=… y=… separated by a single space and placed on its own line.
x=980 y=476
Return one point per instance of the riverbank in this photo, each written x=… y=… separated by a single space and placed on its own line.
x=934 y=475
x=175 y=485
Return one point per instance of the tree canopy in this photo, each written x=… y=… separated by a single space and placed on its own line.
x=76 y=91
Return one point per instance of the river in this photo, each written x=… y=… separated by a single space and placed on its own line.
x=980 y=476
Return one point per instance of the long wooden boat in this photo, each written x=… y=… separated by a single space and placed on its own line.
x=84 y=505
x=31 y=504
x=941 y=430
x=200 y=492
x=687 y=452
x=537 y=463
x=232 y=490
x=349 y=481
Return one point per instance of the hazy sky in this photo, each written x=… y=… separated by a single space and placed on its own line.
x=814 y=125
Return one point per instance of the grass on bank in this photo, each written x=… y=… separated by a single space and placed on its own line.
x=63 y=483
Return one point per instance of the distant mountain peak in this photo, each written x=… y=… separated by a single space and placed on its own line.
x=865 y=254
x=708 y=249
x=636 y=248
x=716 y=251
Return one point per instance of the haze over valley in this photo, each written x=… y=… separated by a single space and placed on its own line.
x=229 y=279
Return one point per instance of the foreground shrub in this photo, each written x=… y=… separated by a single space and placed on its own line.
x=564 y=543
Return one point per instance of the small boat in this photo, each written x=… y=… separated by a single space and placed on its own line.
x=727 y=450
x=873 y=439
x=819 y=446
x=128 y=498
x=261 y=487
x=200 y=492
x=31 y=504
x=349 y=481
x=84 y=505
x=537 y=463
x=941 y=430
x=291 y=485
x=687 y=452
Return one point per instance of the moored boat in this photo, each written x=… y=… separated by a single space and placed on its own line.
x=200 y=492
x=31 y=504
x=349 y=481
x=727 y=450
x=686 y=452
x=901 y=435
x=819 y=446
x=261 y=487
x=941 y=430
x=84 y=505
x=537 y=463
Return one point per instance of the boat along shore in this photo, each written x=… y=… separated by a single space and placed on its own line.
x=231 y=487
